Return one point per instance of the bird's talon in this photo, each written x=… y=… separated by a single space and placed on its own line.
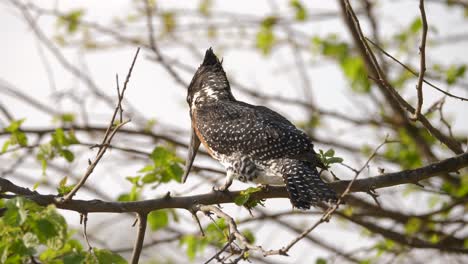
x=220 y=189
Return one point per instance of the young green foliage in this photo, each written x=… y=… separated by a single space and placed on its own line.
x=158 y=219
x=216 y=234
x=352 y=65
x=17 y=137
x=301 y=12
x=265 y=36
x=328 y=157
x=406 y=152
x=63 y=188
x=28 y=230
x=71 y=20
x=58 y=145
x=165 y=166
x=245 y=199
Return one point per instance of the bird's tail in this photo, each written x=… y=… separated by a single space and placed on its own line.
x=304 y=185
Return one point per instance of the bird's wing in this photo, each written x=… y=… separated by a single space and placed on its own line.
x=252 y=130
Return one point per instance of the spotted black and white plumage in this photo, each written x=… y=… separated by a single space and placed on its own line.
x=254 y=143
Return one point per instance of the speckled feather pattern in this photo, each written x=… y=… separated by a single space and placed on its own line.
x=253 y=142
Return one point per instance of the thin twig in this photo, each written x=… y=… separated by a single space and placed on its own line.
x=393 y=95
x=413 y=71
x=195 y=217
x=219 y=252
x=108 y=135
x=84 y=221
x=142 y=219
x=422 y=62
x=159 y=57
x=326 y=216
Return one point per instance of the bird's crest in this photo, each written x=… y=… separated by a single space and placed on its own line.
x=210 y=58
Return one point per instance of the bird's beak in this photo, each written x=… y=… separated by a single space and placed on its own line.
x=192 y=152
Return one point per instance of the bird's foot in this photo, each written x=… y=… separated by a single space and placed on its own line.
x=264 y=187
x=222 y=188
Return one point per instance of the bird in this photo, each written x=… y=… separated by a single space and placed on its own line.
x=254 y=143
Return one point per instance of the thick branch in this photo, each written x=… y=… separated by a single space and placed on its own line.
x=187 y=202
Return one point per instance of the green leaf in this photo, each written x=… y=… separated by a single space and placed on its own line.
x=454 y=72
x=331 y=47
x=74 y=258
x=63 y=181
x=355 y=70
x=105 y=256
x=161 y=156
x=58 y=138
x=63 y=189
x=149 y=178
x=124 y=198
x=133 y=195
x=67 y=118
x=434 y=239
x=133 y=180
x=72 y=138
x=265 y=40
x=241 y=199
x=169 y=21
x=405 y=152
x=147 y=168
x=15 y=125
x=249 y=235
x=205 y=7
x=67 y=154
x=71 y=20
x=12 y=217
x=149 y=125
x=244 y=198
x=301 y=13
x=5 y=146
x=329 y=153
x=269 y=22
x=416 y=26
x=20 y=138
x=320 y=261
x=413 y=225
x=192 y=246
x=44 y=230
x=176 y=172
x=158 y=219
x=335 y=160
x=17 y=137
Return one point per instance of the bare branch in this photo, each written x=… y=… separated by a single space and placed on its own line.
x=413 y=71
x=422 y=62
x=142 y=219
x=392 y=95
x=109 y=134
x=186 y=202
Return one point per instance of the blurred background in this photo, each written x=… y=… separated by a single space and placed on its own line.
x=60 y=60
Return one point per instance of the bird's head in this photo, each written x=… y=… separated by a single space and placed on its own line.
x=209 y=82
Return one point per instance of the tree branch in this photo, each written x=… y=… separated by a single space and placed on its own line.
x=110 y=132
x=422 y=62
x=187 y=202
x=396 y=101
x=142 y=219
